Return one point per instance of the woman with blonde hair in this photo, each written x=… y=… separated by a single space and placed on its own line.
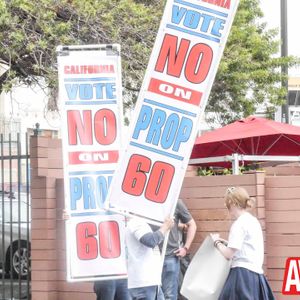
x=245 y=248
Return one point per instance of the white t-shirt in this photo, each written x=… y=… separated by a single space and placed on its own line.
x=246 y=236
x=144 y=263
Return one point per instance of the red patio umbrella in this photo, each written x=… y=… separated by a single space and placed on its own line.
x=249 y=136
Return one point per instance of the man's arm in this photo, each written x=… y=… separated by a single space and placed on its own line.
x=152 y=239
x=190 y=233
x=190 y=228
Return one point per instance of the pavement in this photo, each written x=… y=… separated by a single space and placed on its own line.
x=13 y=289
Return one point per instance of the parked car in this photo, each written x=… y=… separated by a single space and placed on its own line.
x=14 y=239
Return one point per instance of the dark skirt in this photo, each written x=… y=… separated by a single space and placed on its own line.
x=243 y=284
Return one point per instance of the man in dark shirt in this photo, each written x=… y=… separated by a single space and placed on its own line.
x=174 y=251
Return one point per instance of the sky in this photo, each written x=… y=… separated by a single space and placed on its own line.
x=271 y=9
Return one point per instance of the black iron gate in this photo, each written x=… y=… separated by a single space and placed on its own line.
x=15 y=217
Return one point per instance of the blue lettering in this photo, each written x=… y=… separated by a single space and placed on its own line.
x=192 y=19
x=166 y=131
x=71 y=91
x=110 y=89
x=102 y=189
x=177 y=14
x=92 y=191
x=143 y=120
x=184 y=133
x=88 y=192
x=87 y=91
x=75 y=192
x=109 y=181
x=219 y=25
x=169 y=133
x=157 y=123
x=207 y=19
x=99 y=90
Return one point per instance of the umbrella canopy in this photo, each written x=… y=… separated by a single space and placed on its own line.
x=249 y=136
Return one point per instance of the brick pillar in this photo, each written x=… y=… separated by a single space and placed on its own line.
x=46 y=166
x=47 y=227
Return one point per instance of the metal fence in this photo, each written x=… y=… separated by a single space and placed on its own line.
x=15 y=217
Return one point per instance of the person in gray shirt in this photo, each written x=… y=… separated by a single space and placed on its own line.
x=175 y=250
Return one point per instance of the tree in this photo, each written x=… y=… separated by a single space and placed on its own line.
x=30 y=30
x=250 y=72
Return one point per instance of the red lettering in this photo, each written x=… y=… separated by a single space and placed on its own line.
x=105 y=126
x=82 y=127
x=198 y=60
x=159 y=182
x=174 y=91
x=86 y=242
x=227 y=4
x=93 y=157
x=221 y=3
x=135 y=177
x=80 y=124
x=158 y=185
x=109 y=239
x=168 y=52
x=198 y=63
x=89 y=69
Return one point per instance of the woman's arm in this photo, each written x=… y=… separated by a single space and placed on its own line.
x=221 y=245
x=227 y=252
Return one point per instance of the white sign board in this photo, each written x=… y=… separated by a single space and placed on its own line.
x=90 y=94
x=173 y=97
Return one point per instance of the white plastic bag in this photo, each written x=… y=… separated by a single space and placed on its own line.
x=206 y=274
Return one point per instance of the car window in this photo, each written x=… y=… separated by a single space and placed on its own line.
x=11 y=213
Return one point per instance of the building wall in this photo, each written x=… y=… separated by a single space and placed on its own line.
x=278 y=208
x=23 y=107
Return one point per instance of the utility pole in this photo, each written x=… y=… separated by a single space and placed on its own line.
x=284 y=53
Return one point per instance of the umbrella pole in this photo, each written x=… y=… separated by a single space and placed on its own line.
x=235 y=164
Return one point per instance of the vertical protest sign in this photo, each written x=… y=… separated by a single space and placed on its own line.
x=178 y=80
x=90 y=94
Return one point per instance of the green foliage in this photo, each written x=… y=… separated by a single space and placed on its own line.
x=249 y=73
x=216 y=171
x=213 y=171
x=30 y=30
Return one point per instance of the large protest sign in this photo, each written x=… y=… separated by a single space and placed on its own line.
x=90 y=93
x=172 y=99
